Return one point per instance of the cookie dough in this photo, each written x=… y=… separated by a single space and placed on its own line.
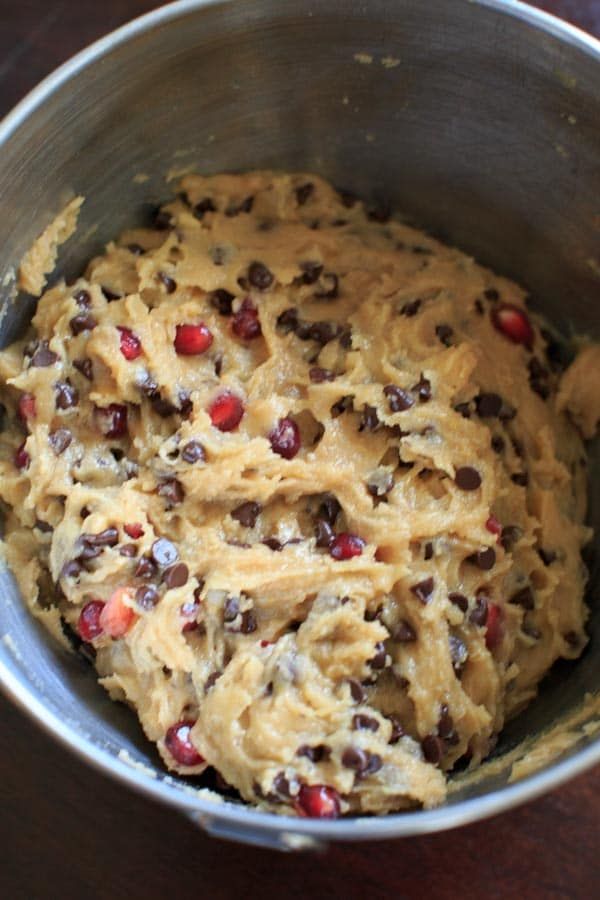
x=294 y=474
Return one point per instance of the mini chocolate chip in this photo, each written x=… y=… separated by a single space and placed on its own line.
x=273 y=544
x=162 y=220
x=315 y=754
x=422 y=389
x=66 y=395
x=411 y=308
x=218 y=255
x=445 y=723
x=83 y=299
x=433 y=749
x=259 y=276
x=176 y=575
x=488 y=405
x=378 y=661
x=203 y=206
x=59 y=440
x=231 y=609
x=71 y=569
x=459 y=600
x=444 y=334
x=485 y=558
x=169 y=283
x=136 y=249
x=398 y=399
x=540 y=388
x=329 y=508
x=321 y=332
x=524 y=598
x=361 y=722
x=357 y=692
x=244 y=207
x=547 y=556
x=520 y=478
x=397 y=729
x=147 y=596
x=311 y=272
x=354 y=758
x=507 y=413
x=84 y=366
x=509 y=536
x=193 y=452
x=249 y=624
x=572 y=639
x=491 y=294
x=342 y=405
x=329 y=287
x=107 y=538
x=424 y=589
x=128 y=550
x=145 y=568
x=404 y=632
x=304 y=192
x=281 y=785
x=82 y=322
x=324 y=533
x=171 y=491
x=345 y=337
x=369 y=420
x=467 y=478
x=479 y=613
x=44 y=527
x=164 y=553
x=374 y=764
x=318 y=375
x=497 y=443
x=288 y=320
x=110 y=295
x=428 y=552
x=464 y=409
x=380 y=484
x=43 y=356
x=246 y=513
x=222 y=301
x=458 y=653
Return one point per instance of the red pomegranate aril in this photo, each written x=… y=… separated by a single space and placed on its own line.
x=494 y=629
x=265 y=643
x=27 y=409
x=112 y=420
x=88 y=624
x=318 y=801
x=130 y=344
x=494 y=527
x=22 y=458
x=245 y=323
x=134 y=530
x=346 y=545
x=513 y=323
x=190 y=340
x=285 y=438
x=226 y=411
x=179 y=744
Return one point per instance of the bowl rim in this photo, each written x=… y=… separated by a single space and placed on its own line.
x=246 y=822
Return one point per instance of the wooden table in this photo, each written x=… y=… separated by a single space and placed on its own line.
x=68 y=832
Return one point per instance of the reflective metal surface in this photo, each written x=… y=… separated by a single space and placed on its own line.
x=479 y=120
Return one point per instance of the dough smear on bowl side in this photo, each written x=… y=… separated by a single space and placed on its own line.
x=296 y=476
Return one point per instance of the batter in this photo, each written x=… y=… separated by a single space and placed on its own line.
x=297 y=477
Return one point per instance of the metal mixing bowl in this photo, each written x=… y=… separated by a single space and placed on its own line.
x=480 y=120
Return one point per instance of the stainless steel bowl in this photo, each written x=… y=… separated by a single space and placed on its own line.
x=480 y=120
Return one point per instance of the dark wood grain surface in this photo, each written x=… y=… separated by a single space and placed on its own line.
x=68 y=832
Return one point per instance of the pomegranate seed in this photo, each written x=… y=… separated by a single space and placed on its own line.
x=112 y=420
x=494 y=630
x=27 y=408
x=88 y=624
x=494 y=527
x=117 y=618
x=134 y=530
x=285 y=438
x=318 y=801
x=189 y=612
x=346 y=545
x=226 y=411
x=22 y=458
x=245 y=323
x=512 y=322
x=130 y=344
x=192 y=339
x=266 y=643
x=179 y=744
